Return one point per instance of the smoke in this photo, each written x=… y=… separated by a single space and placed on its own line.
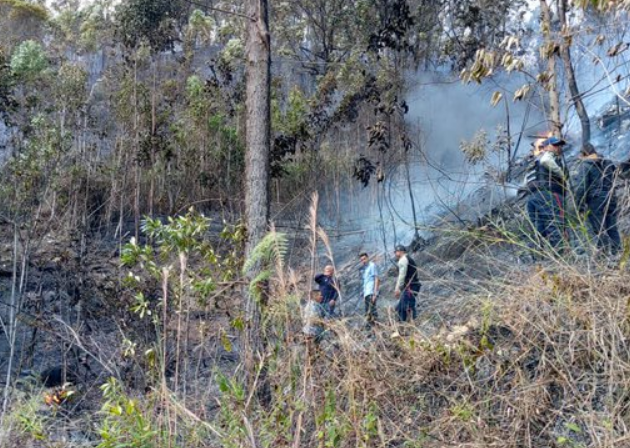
x=443 y=112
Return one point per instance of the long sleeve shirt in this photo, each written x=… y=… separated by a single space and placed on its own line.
x=403 y=265
x=328 y=287
x=547 y=159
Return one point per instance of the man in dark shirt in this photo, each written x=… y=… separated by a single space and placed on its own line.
x=330 y=289
x=407 y=286
x=546 y=185
x=595 y=196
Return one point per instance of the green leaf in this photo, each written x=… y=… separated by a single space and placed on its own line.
x=573 y=427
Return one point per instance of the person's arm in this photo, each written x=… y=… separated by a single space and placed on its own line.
x=319 y=278
x=403 y=264
x=548 y=161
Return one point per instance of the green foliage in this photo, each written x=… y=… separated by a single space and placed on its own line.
x=29 y=419
x=198 y=101
x=85 y=27
x=271 y=249
x=21 y=10
x=34 y=168
x=463 y=411
x=6 y=81
x=172 y=244
x=334 y=424
x=370 y=423
x=232 y=401
x=182 y=234
x=152 y=21
x=125 y=422
x=71 y=85
x=267 y=254
x=200 y=25
x=29 y=60
x=293 y=120
x=233 y=51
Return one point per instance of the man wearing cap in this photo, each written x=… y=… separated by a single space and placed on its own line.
x=546 y=183
x=407 y=286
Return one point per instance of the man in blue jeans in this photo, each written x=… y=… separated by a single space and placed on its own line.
x=407 y=286
x=371 y=284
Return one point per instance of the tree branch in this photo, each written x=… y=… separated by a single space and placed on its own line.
x=223 y=11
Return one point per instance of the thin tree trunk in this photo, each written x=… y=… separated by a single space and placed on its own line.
x=136 y=201
x=565 y=53
x=554 y=96
x=258 y=141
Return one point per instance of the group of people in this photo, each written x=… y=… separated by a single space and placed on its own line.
x=324 y=298
x=548 y=187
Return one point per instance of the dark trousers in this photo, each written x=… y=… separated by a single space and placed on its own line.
x=602 y=217
x=330 y=309
x=370 y=309
x=407 y=305
x=546 y=212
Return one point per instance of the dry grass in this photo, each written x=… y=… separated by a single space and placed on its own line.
x=543 y=361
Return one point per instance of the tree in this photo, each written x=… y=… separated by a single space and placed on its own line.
x=548 y=51
x=258 y=141
x=565 y=53
x=152 y=21
x=21 y=20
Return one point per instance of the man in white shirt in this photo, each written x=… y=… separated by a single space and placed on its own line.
x=371 y=284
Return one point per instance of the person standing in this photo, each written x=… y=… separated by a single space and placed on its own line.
x=546 y=183
x=595 y=196
x=407 y=286
x=330 y=289
x=371 y=285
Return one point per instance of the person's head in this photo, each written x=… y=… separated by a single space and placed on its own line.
x=538 y=146
x=316 y=295
x=400 y=251
x=553 y=144
x=548 y=144
x=364 y=258
x=329 y=270
x=588 y=150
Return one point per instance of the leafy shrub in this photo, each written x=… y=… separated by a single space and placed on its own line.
x=29 y=60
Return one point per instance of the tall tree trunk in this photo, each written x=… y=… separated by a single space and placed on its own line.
x=552 y=87
x=565 y=53
x=258 y=141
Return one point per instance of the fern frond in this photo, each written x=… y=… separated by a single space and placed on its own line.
x=254 y=286
x=271 y=249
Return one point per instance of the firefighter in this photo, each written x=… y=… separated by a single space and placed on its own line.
x=407 y=286
x=546 y=184
x=330 y=289
x=595 y=197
